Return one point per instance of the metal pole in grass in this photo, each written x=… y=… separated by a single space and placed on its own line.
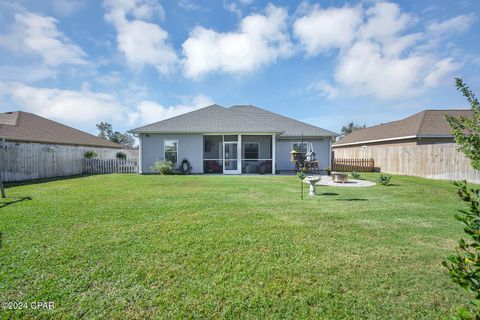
x=301 y=176
x=1 y=188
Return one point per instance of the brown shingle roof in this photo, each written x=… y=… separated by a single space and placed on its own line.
x=428 y=123
x=28 y=127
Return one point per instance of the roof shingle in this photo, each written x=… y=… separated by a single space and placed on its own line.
x=217 y=119
x=428 y=123
x=28 y=127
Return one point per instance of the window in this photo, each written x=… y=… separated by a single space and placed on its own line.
x=251 y=150
x=170 y=148
x=300 y=147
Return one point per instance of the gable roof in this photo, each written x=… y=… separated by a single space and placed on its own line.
x=217 y=119
x=425 y=124
x=28 y=127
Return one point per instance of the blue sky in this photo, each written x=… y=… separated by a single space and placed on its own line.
x=133 y=62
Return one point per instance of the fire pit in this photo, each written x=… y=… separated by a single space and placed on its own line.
x=339 y=177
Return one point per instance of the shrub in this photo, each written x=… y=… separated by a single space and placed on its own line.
x=121 y=155
x=464 y=266
x=385 y=179
x=89 y=154
x=355 y=175
x=164 y=167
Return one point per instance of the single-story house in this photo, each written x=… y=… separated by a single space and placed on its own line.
x=421 y=145
x=22 y=126
x=426 y=127
x=234 y=140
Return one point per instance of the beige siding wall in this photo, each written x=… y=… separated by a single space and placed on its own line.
x=435 y=161
x=27 y=161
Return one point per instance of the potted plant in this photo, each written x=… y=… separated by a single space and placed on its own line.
x=327 y=170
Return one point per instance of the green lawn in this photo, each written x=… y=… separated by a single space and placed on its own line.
x=130 y=246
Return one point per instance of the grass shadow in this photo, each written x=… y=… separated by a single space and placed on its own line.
x=42 y=180
x=328 y=194
x=14 y=200
x=352 y=199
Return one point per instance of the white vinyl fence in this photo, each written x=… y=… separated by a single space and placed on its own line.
x=27 y=161
x=98 y=166
x=434 y=161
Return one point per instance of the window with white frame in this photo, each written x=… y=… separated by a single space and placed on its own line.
x=251 y=150
x=170 y=150
x=300 y=147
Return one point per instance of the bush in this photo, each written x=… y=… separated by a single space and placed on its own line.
x=464 y=266
x=89 y=154
x=385 y=179
x=121 y=155
x=355 y=175
x=164 y=167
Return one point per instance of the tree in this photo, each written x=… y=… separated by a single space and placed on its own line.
x=106 y=132
x=467 y=130
x=464 y=266
x=349 y=128
x=105 y=129
x=122 y=138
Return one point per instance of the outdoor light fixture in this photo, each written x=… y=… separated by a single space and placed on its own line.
x=293 y=156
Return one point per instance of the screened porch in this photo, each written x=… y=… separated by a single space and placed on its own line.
x=238 y=154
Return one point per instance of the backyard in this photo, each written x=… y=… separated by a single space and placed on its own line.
x=131 y=246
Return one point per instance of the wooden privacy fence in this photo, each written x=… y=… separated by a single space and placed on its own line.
x=434 y=161
x=360 y=165
x=98 y=166
x=27 y=161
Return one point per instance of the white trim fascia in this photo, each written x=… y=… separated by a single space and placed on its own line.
x=236 y=133
x=140 y=168
x=372 y=141
x=274 y=153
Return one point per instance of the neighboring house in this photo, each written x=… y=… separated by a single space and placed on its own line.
x=235 y=140
x=22 y=126
x=33 y=147
x=420 y=145
x=426 y=127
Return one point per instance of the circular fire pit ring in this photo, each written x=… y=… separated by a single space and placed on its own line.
x=328 y=181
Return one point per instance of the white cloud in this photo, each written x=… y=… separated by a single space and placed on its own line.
x=384 y=20
x=188 y=5
x=440 y=72
x=456 y=24
x=37 y=34
x=378 y=56
x=67 y=7
x=323 y=30
x=85 y=108
x=260 y=40
x=364 y=70
x=149 y=111
x=141 y=42
x=74 y=107
x=325 y=89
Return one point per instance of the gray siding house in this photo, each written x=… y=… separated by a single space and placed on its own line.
x=234 y=140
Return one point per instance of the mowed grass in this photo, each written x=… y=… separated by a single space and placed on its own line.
x=246 y=247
